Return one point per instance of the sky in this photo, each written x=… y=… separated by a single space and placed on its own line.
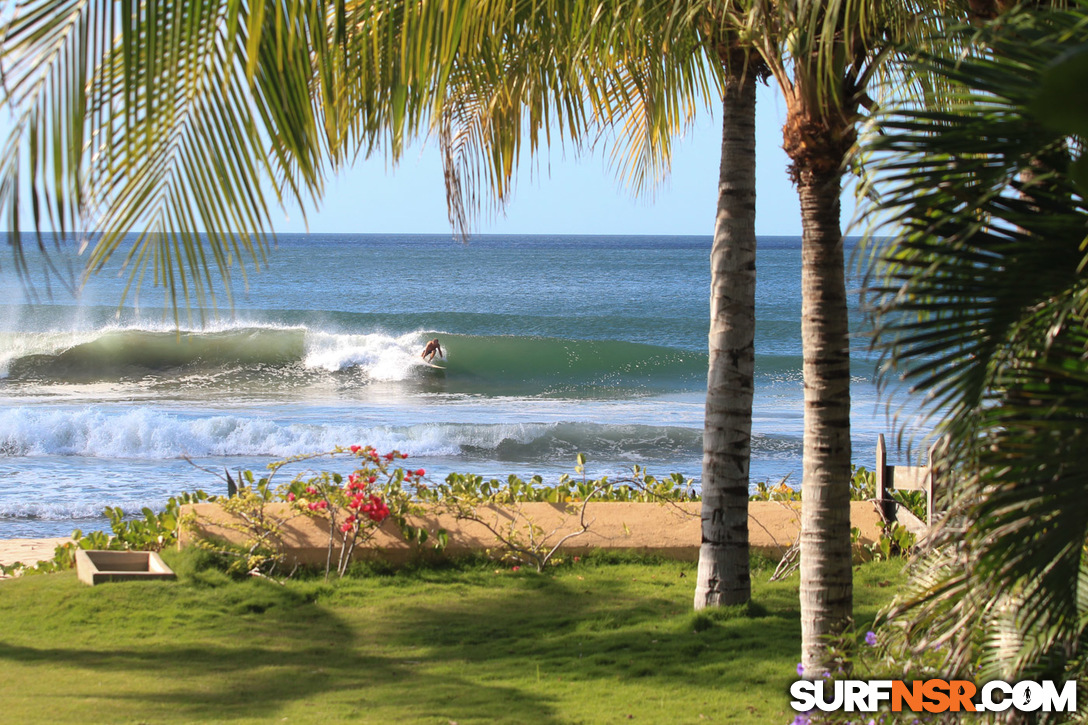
x=568 y=194
x=565 y=193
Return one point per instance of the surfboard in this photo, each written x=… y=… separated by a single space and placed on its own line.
x=432 y=365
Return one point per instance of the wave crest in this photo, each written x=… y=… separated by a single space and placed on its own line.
x=496 y=363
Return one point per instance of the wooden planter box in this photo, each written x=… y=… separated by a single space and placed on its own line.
x=95 y=567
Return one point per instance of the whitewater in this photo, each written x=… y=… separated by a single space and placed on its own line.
x=555 y=345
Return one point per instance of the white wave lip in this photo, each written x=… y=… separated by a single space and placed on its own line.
x=381 y=357
x=17 y=345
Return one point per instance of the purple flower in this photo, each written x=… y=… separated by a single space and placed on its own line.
x=801 y=719
x=870 y=638
x=800 y=670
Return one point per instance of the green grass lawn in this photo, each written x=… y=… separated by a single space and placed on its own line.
x=594 y=642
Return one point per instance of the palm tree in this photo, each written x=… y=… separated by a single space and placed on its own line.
x=981 y=304
x=724 y=576
x=827 y=56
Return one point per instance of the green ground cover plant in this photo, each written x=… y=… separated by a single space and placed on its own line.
x=356 y=503
x=598 y=639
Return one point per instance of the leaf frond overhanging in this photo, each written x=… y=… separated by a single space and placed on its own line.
x=157 y=123
x=979 y=303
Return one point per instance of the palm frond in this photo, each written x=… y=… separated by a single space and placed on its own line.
x=979 y=302
x=164 y=120
x=157 y=123
x=628 y=75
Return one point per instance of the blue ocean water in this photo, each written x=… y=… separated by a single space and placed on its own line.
x=556 y=345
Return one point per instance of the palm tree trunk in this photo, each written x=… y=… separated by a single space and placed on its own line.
x=826 y=577
x=723 y=576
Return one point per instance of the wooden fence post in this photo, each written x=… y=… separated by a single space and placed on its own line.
x=883 y=495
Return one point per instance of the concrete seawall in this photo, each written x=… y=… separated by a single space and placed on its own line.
x=671 y=530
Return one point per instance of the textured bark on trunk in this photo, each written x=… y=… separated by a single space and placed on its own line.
x=826 y=576
x=724 y=576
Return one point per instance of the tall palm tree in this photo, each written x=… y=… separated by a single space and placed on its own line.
x=827 y=57
x=724 y=576
x=981 y=304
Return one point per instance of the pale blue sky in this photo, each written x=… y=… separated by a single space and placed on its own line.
x=564 y=193
x=578 y=196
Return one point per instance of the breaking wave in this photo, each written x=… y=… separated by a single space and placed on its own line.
x=473 y=361
x=146 y=433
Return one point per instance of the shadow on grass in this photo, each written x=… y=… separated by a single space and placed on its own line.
x=588 y=634
x=469 y=644
x=259 y=682
x=243 y=650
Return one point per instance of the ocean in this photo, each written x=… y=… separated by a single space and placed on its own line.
x=556 y=345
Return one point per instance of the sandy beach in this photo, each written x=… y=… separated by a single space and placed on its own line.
x=28 y=551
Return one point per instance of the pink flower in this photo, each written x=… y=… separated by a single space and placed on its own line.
x=515 y=568
x=291 y=496
x=420 y=472
x=390 y=456
x=376 y=510
x=355 y=449
x=355 y=483
x=345 y=527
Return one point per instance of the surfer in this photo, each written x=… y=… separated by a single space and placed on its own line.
x=433 y=348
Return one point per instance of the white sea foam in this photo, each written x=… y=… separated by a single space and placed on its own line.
x=146 y=433
x=382 y=357
x=65 y=510
x=152 y=434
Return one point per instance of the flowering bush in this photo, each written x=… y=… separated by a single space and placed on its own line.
x=356 y=506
